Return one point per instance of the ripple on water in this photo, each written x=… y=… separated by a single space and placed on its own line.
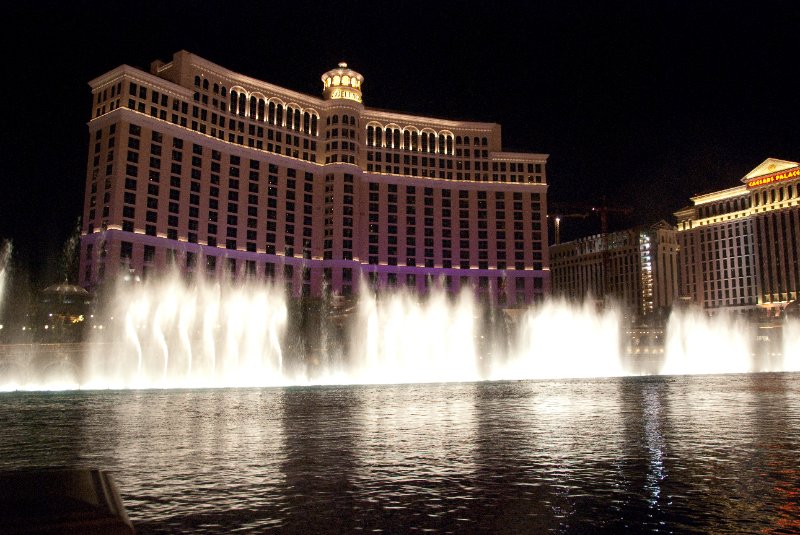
x=681 y=454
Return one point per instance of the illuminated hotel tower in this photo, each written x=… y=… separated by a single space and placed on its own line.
x=215 y=172
x=636 y=269
x=740 y=247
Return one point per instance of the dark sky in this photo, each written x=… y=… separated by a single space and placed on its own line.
x=641 y=103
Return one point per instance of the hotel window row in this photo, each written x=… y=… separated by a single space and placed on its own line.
x=218 y=178
x=740 y=248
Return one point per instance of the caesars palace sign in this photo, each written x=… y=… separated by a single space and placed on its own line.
x=772 y=179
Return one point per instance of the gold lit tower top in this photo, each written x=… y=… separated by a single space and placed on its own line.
x=342 y=83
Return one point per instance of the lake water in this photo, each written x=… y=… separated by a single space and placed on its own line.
x=654 y=454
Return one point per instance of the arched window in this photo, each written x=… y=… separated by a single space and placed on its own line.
x=289 y=117
x=197 y=81
x=306 y=122
x=296 y=119
x=466 y=140
x=414 y=141
x=234 y=101
x=424 y=142
x=205 y=83
x=253 y=107
x=449 y=147
x=335 y=119
x=216 y=88
x=242 y=103
x=396 y=139
x=371 y=135
x=261 y=106
x=442 y=145
x=379 y=137
x=407 y=140
x=314 y=125
x=224 y=91
x=271 y=111
x=279 y=115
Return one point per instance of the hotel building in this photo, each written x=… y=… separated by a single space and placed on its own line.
x=740 y=247
x=222 y=174
x=635 y=268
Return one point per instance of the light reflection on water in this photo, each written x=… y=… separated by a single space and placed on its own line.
x=674 y=453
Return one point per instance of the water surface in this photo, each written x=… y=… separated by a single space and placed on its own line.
x=676 y=454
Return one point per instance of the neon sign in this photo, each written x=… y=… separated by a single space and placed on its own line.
x=771 y=179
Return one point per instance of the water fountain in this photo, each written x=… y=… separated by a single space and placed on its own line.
x=174 y=333
x=5 y=258
x=168 y=333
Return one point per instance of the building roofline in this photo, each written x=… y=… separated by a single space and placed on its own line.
x=719 y=195
x=367 y=114
x=137 y=74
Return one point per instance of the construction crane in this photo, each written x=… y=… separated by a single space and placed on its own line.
x=604 y=209
x=583 y=211
x=557 y=223
x=561 y=211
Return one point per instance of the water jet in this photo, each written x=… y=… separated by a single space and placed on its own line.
x=172 y=333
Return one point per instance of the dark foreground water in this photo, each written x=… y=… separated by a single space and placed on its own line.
x=681 y=454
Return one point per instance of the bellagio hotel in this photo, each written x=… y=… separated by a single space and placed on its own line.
x=219 y=174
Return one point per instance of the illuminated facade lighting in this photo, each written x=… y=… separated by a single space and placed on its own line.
x=215 y=172
x=740 y=247
x=642 y=268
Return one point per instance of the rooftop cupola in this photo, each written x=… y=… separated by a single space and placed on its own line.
x=342 y=83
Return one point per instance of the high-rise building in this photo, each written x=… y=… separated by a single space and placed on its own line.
x=635 y=268
x=215 y=172
x=740 y=247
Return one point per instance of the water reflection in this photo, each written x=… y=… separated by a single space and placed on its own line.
x=416 y=456
x=716 y=447
x=775 y=394
x=191 y=460
x=318 y=459
x=686 y=454
x=654 y=442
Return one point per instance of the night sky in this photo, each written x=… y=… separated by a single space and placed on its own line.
x=639 y=104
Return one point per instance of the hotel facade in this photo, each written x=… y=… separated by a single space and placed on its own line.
x=636 y=269
x=220 y=174
x=740 y=247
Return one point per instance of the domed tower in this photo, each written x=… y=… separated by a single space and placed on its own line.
x=342 y=83
x=341 y=88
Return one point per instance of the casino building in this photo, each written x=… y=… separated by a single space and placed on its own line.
x=740 y=247
x=195 y=166
x=636 y=269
